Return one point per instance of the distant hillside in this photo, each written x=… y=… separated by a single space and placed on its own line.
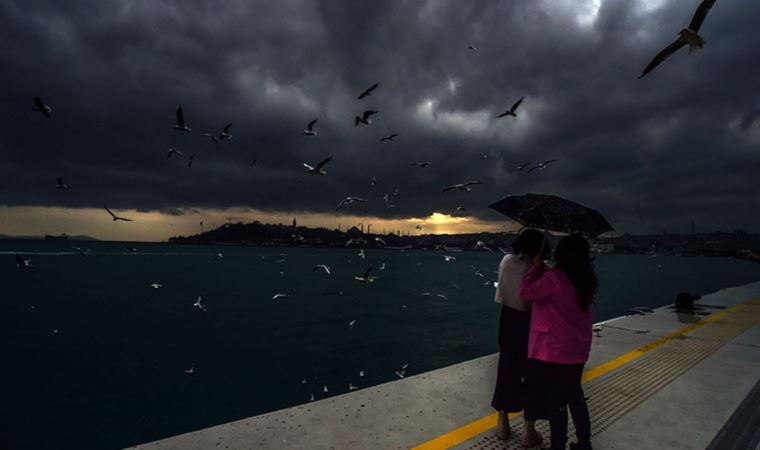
x=80 y=237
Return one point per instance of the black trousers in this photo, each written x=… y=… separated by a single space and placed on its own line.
x=551 y=389
x=509 y=393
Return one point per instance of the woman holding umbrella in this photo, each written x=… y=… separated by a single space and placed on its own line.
x=560 y=339
x=514 y=325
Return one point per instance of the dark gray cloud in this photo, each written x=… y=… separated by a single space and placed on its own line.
x=681 y=144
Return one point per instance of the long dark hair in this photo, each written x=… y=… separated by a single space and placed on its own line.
x=573 y=256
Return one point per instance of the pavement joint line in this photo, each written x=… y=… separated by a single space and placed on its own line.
x=479 y=426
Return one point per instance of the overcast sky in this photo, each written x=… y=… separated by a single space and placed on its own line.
x=681 y=144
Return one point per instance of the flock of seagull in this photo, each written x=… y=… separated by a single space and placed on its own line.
x=686 y=37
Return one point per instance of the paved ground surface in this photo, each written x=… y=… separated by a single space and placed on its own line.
x=664 y=380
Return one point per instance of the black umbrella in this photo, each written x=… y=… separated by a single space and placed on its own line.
x=553 y=213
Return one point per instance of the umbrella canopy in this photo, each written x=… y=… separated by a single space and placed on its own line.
x=552 y=213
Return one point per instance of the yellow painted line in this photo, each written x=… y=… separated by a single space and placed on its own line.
x=484 y=424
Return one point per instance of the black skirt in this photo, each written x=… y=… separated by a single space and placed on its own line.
x=509 y=394
x=549 y=386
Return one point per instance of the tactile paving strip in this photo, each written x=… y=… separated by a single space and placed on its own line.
x=615 y=394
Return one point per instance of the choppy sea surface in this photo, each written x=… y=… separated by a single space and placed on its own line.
x=96 y=358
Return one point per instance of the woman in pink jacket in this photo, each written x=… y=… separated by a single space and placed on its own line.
x=560 y=339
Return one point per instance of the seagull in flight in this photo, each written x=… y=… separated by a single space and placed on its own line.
x=422 y=164
x=198 y=304
x=511 y=111
x=366 y=278
x=23 y=263
x=361 y=253
x=324 y=267
x=59 y=184
x=400 y=373
x=349 y=200
x=226 y=132
x=114 y=216
x=541 y=166
x=212 y=136
x=190 y=371
x=317 y=170
x=382 y=266
x=462 y=186
x=390 y=137
x=441 y=296
x=379 y=240
x=364 y=118
x=156 y=285
x=41 y=107
x=351 y=324
x=172 y=151
x=448 y=258
x=687 y=36
x=472 y=47
x=461 y=208
x=278 y=296
x=181 y=125
x=351 y=387
x=366 y=93
x=310 y=131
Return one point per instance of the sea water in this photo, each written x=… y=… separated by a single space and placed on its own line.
x=96 y=358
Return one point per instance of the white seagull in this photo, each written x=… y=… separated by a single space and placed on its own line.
x=511 y=111
x=441 y=296
x=114 y=216
x=364 y=118
x=361 y=373
x=366 y=278
x=448 y=258
x=367 y=91
x=23 y=263
x=276 y=296
x=351 y=324
x=349 y=200
x=198 y=304
x=156 y=285
x=317 y=170
x=351 y=387
x=41 y=107
x=361 y=254
x=181 y=125
x=542 y=165
x=59 y=184
x=226 y=132
x=688 y=36
x=190 y=371
x=323 y=267
x=310 y=131
x=462 y=186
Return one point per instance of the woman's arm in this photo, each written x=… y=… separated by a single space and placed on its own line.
x=537 y=284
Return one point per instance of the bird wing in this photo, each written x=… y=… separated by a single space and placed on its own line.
x=506 y=113
x=453 y=186
x=311 y=125
x=38 y=102
x=308 y=166
x=124 y=219
x=700 y=14
x=374 y=86
x=109 y=211
x=340 y=205
x=549 y=161
x=664 y=53
x=394 y=135
x=366 y=114
x=323 y=162
x=517 y=103
x=180 y=116
x=533 y=168
x=227 y=128
x=470 y=183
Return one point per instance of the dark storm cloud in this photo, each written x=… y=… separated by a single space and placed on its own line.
x=678 y=145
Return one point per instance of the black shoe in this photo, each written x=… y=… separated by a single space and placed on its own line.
x=579 y=446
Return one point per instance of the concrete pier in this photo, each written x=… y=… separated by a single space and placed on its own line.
x=669 y=379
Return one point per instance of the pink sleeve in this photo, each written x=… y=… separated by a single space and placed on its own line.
x=537 y=284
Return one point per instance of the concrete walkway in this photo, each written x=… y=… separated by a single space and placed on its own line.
x=700 y=369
